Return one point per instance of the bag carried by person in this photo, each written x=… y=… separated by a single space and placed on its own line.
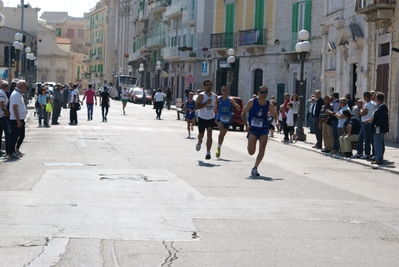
x=77 y=106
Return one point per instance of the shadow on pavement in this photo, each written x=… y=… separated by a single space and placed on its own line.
x=264 y=178
x=203 y=164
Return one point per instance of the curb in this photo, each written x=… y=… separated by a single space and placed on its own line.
x=367 y=164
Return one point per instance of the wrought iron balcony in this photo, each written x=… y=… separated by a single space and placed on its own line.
x=156 y=41
x=188 y=17
x=253 y=37
x=223 y=40
x=174 y=10
x=156 y=7
x=371 y=6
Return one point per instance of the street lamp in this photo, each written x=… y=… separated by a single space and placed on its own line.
x=29 y=57
x=231 y=59
x=302 y=48
x=130 y=70
x=158 y=68
x=141 y=70
x=18 y=46
x=2 y=18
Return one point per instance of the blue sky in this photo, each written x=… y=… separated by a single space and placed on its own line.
x=74 y=8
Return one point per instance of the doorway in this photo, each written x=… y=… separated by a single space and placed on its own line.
x=354 y=80
x=258 y=80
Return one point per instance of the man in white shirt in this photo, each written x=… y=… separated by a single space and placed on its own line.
x=4 y=124
x=75 y=105
x=158 y=98
x=17 y=120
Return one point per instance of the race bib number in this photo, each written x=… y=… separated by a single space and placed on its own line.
x=257 y=123
x=225 y=119
x=209 y=108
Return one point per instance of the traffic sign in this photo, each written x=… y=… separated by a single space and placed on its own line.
x=190 y=79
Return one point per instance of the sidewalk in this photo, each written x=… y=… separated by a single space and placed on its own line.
x=391 y=155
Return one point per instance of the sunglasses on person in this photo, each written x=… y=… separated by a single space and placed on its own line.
x=263 y=92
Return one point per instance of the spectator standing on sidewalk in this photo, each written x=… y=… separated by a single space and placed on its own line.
x=75 y=105
x=283 y=109
x=65 y=96
x=57 y=104
x=316 y=113
x=334 y=121
x=4 y=117
x=17 y=120
x=379 y=127
x=90 y=94
x=326 y=125
x=42 y=99
x=341 y=119
x=310 y=115
x=295 y=107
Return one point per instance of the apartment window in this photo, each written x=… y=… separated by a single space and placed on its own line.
x=58 y=32
x=301 y=15
x=385 y=49
x=70 y=33
x=81 y=33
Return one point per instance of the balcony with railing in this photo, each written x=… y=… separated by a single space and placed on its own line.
x=143 y=16
x=174 y=53
x=372 y=6
x=156 y=6
x=223 y=41
x=174 y=10
x=189 y=14
x=252 y=38
x=157 y=41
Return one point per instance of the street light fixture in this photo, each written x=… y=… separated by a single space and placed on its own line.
x=231 y=59
x=158 y=68
x=18 y=46
x=130 y=70
x=302 y=48
x=2 y=18
x=29 y=57
x=141 y=70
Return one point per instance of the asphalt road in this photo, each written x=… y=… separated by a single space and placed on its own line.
x=134 y=192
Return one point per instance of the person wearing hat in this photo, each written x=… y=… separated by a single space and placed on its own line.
x=340 y=116
x=57 y=104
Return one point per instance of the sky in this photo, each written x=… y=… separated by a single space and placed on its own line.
x=75 y=8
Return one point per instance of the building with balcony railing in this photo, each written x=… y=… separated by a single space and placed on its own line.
x=376 y=9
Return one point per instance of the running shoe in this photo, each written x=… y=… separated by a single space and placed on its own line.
x=254 y=172
x=208 y=156
x=218 y=152
x=189 y=136
x=19 y=153
x=198 y=146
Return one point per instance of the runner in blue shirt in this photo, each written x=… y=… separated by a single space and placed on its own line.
x=257 y=125
x=189 y=108
x=223 y=117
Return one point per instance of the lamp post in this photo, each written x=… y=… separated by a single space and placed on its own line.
x=2 y=18
x=29 y=57
x=158 y=68
x=231 y=59
x=302 y=48
x=18 y=46
x=130 y=70
x=141 y=70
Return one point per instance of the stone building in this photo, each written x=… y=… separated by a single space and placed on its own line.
x=357 y=56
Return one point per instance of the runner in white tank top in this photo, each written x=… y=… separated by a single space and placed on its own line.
x=205 y=103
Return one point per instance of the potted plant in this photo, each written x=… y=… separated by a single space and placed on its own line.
x=205 y=49
x=192 y=54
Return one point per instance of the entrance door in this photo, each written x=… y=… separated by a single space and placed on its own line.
x=383 y=79
x=280 y=94
x=258 y=80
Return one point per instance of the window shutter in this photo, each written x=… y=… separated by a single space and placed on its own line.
x=308 y=11
x=259 y=14
x=294 y=37
x=230 y=18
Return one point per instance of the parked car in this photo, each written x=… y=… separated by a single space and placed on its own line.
x=136 y=96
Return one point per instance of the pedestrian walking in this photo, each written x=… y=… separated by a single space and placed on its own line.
x=189 y=108
x=105 y=103
x=159 y=98
x=17 y=120
x=57 y=104
x=144 y=97
x=283 y=109
x=205 y=104
x=168 y=98
x=223 y=118
x=90 y=94
x=257 y=126
x=42 y=100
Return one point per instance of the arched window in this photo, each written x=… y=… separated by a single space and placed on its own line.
x=44 y=78
x=258 y=80
x=61 y=79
